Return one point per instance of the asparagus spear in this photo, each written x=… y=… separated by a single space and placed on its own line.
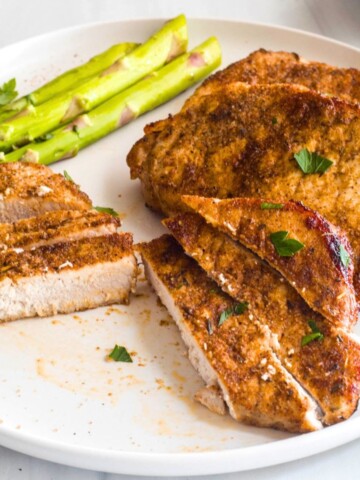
x=69 y=79
x=150 y=92
x=167 y=43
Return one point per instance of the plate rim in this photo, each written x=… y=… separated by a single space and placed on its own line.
x=89 y=25
x=192 y=463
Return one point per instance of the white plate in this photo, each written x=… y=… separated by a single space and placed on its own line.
x=60 y=399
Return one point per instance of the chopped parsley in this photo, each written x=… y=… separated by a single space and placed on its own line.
x=8 y=92
x=236 y=309
x=274 y=120
x=67 y=177
x=285 y=247
x=120 y=354
x=312 y=162
x=271 y=206
x=108 y=210
x=344 y=256
x=314 y=335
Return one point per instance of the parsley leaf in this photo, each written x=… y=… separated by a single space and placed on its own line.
x=236 y=309
x=271 y=206
x=240 y=308
x=312 y=162
x=8 y=92
x=120 y=354
x=314 y=335
x=67 y=176
x=344 y=256
x=285 y=247
x=108 y=210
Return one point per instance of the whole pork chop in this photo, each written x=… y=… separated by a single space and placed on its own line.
x=240 y=141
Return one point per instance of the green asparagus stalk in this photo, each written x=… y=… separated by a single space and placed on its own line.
x=147 y=94
x=167 y=43
x=70 y=79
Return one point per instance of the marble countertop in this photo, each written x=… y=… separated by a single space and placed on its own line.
x=333 y=18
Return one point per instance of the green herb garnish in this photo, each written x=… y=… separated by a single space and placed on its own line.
x=314 y=335
x=285 y=247
x=108 y=210
x=271 y=206
x=43 y=138
x=344 y=256
x=8 y=92
x=236 y=309
x=67 y=177
x=120 y=354
x=312 y=162
x=274 y=120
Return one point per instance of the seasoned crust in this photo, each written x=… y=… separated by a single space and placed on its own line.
x=62 y=256
x=316 y=271
x=54 y=227
x=256 y=388
x=328 y=369
x=263 y=66
x=28 y=189
x=228 y=145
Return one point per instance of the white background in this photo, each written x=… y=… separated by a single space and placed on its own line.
x=339 y=19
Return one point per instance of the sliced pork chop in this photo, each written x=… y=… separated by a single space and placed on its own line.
x=328 y=367
x=321 y=271
x=263 y=66
x=240 y=142
x=237 y=356
x=55 y=227
x=29 y=189
x=66 y=277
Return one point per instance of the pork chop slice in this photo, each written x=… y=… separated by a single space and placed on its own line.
x=321 y=270
x=237 y=356
x=241 y=140
x=328 y=367
x=55 y=227
x=264 y=66
x=29 y=189
x=66 y=277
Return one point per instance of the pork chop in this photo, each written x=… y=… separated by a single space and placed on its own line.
x=29 y=189
x=240 y=142
x=66 y=277
x=326 y=362
x=321 y=270
x=56 y=227
x=237 y=356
